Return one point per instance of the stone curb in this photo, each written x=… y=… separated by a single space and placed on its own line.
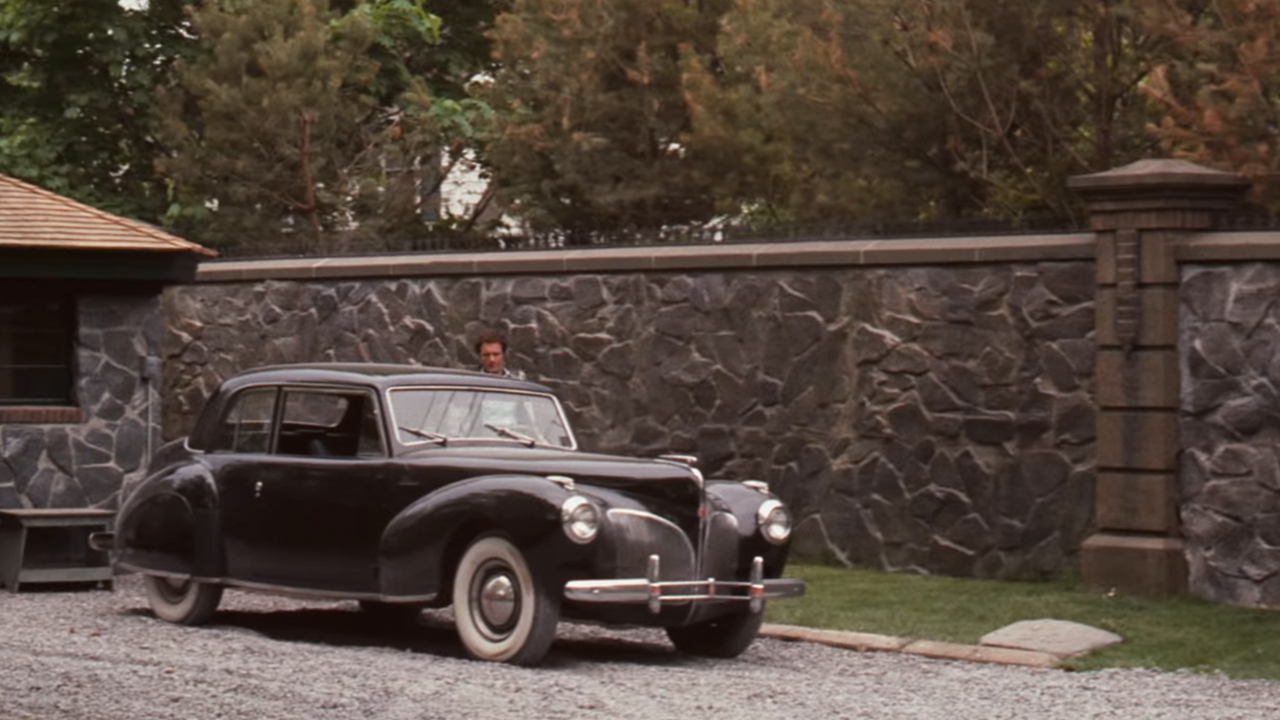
x=925 y=648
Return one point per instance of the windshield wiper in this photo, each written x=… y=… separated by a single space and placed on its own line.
x=438 y=439
x=509 y=433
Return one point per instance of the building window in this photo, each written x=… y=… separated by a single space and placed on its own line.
x=37 y=350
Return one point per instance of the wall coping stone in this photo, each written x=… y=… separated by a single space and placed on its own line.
x=1229 y=246
x=816 y=253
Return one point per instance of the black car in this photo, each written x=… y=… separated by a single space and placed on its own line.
x=406 y=487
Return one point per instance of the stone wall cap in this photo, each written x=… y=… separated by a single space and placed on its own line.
x=812 y=253
x=1160 y=172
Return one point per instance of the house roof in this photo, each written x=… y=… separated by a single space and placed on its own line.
x=34 y=218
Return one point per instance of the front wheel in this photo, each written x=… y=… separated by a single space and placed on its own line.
x=185 y=602
x=501 y=611
x=723 y=637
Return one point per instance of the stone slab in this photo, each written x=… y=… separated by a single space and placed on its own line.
x=980 y=653
x=925 y=648
x=837 y=638
x=1061 y=638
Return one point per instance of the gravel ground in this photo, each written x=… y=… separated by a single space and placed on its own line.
x=100 y=655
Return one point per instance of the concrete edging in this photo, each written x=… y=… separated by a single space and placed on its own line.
x=926 y=648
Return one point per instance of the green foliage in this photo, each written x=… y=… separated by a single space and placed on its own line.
x=301 y=119
x=1174 y=633
x=404 y=27
x=592 y=112
x=299 y=126
x=932 y=109
x=76 y=85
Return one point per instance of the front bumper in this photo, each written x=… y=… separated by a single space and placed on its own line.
x=654 y=592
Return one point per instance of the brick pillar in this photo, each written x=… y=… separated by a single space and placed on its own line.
x=1139 y=213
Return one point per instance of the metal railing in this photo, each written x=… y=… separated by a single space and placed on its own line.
x=709 y=234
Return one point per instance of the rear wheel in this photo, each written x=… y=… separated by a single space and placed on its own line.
x=501 y=610
x=185 y=602
x=723 y=637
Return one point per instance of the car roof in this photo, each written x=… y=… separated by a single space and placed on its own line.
x=381 y=375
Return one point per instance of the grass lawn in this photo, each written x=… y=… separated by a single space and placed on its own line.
x=1162 y=633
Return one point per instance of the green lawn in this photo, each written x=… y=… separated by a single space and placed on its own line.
x=1162 y=633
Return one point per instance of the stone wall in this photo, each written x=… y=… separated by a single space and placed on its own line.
x=84 y=464
x=1229 y=469
x=931 y=417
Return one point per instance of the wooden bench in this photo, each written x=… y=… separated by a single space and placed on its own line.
x=52 y=546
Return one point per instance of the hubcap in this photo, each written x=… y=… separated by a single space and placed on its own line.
x=499 y=600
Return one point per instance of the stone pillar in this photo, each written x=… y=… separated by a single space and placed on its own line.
x=1139 y=213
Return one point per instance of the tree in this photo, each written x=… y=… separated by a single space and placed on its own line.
x=592 y=113
x=1221 y=92
x=76 y=84
x=921 y=108
x=301 y=125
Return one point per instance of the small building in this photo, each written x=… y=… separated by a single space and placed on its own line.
x=80 y=334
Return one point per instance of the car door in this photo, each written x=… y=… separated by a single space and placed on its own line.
x=310 y=512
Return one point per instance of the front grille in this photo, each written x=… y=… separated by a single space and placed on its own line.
x=720 y=557
x=637 y=535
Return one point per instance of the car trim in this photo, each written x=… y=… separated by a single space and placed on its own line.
x=654 y=592
x=282 y=590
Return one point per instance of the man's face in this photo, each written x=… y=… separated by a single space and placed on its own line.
x=491 y=357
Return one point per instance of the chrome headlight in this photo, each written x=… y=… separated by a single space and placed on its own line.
x=580 y=519
x=774 y=521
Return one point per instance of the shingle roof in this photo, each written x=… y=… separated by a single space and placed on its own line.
x=32 y=217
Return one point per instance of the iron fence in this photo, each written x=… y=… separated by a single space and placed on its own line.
x=709 y=234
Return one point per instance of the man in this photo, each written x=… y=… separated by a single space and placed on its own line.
x=492 y=349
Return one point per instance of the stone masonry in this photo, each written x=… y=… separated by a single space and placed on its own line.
x=1230 y=467
x=84 y=464
x=933 y=418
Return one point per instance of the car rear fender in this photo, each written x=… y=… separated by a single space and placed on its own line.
x=169 y=523
x=422 y=544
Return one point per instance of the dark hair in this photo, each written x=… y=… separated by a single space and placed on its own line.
x=491 y=336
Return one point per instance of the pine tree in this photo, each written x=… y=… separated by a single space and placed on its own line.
x=593 y=115
x=299 y=126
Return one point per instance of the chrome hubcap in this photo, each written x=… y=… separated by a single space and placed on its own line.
x=499 y=600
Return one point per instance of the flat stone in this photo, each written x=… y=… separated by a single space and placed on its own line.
x=835 y=638
x=980 y=653
x=1058 y=637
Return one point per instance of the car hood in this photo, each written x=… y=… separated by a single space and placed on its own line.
x=658 y=480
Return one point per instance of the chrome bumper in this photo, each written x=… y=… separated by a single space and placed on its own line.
x=654 y=592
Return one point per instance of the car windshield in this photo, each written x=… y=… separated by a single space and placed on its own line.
x=438 y=415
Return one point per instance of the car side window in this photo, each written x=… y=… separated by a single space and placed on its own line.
x=322 y=423
x=246 y=427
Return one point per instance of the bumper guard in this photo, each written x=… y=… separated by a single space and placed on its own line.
x=655 y=592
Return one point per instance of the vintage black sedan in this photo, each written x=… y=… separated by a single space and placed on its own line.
x=407 y=487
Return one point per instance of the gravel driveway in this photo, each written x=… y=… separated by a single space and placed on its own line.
x=100 y=655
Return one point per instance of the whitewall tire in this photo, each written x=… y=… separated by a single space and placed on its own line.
x=185 y=602
x=502 y=612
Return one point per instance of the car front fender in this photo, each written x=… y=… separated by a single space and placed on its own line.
x=421 y=545
x=743 y=501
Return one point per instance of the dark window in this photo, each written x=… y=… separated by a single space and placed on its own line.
x=330 y=424
x=36 y=350
x=246 y=428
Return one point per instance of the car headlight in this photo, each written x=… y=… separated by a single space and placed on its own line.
x=580 y=518
x=774 y=521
